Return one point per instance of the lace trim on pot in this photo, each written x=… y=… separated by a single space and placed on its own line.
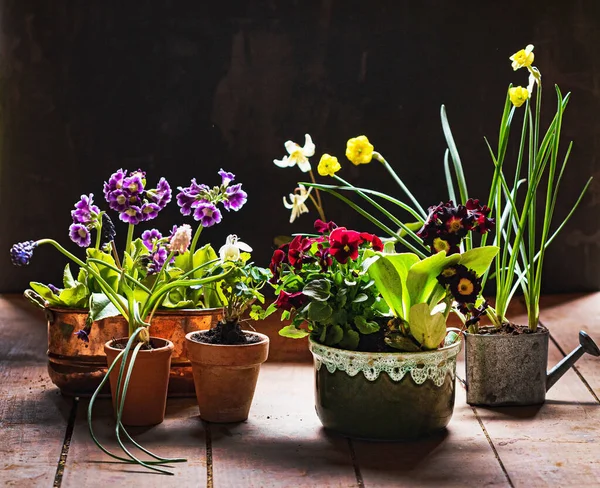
x=433 y=365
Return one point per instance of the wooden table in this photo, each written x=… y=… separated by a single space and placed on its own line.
x=44 y=439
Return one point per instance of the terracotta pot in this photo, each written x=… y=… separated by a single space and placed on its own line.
x=386 y=395
x=225 y=376
x=77 y=368
x=146 y=397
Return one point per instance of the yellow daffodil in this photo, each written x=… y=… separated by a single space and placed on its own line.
x=518 y=95
x=522 y=58
x=297 y=155
x=328 y=165
x=359 y=150
x=297 y=199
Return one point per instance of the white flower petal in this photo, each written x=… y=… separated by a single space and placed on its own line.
x=243 y=246
x=529 y=48
x=291 y=146
x=289 y=205
x=283 y=163
x=304 y=166
x=309 y=148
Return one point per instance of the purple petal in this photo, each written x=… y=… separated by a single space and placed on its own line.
x=133 y=215
x=150 y=211
x=226 y=177
x=207 y=214
x=235 y=197
x=80 y=235
x=115 y=182
x=149 y=238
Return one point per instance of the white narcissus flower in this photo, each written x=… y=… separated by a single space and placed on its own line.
x=297 y=155
x=231 y=250
x=180 y=241
x=297 y=199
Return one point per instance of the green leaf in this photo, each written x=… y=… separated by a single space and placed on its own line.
x=75 y=297
x=101 y=307
x=109 y=275
x=390 y=274
x=350 y=340
x=429 y=330
x=82 y=275
x=364 y=326
x=334 y=335
x=422 y=276
x=202 y=256
x=361 y=297
x=292 y=332
x=318 y=289
x=401 y=342
x=319 y=311
x=479 y=259
x=68 y=280
x=45 y=292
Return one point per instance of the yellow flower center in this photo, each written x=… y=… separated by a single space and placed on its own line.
x=440 y=244
x=448 y=272
x=346 y=248
x=121 y=199
x=298 y=156
x=328 y=165
x=454 y=224
x=518 y=95
x=465 y=286
x=82 y=232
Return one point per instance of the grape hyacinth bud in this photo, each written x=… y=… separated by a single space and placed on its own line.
x=180 y=241
x=20 y=253
x=108 y=229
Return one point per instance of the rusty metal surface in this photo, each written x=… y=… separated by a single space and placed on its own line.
x=77 y=367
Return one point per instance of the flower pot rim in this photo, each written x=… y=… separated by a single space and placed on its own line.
x=541 y=330
x=263 y=338
x=168 y=344
x=160 y=311
x=408 y=355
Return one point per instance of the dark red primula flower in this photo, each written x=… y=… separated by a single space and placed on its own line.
x=343 y=244
x=480 y=214
x=297 y=253
x=279 y=257
x=324 y=257
x=288 y=301
x=324 y=227
x=375 y=241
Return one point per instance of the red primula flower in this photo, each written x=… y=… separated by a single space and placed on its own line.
x=343 y=244
x=375 y=241
x=278 y=258
x=480 y=213
x=288 y=301
x=324 y=227
x=297 y=253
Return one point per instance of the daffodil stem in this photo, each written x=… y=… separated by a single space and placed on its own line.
x=318 y=203
x=401 y=184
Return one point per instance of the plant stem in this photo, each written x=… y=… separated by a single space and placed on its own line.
x=193 y=245
x=319 y=203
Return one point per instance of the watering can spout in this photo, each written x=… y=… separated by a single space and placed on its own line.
x=586 y=344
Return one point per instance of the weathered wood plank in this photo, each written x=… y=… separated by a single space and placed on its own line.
x=460 y=456
x=33 y=414
x=282 y=444
x=556 y=444
x=565 y=316
x=180 y=435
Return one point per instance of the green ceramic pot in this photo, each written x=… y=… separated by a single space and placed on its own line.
x=384 y=396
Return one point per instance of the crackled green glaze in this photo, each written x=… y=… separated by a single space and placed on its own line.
x=385 y=396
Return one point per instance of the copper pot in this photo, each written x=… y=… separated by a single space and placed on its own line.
x=77 y=367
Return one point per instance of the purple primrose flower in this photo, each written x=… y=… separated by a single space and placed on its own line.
x=226 y=177
x=157 y=260
x=150 y=238
x=235 y=197
x=207 y=214
x=85 y=212
x=20 y=253
x=80 y=235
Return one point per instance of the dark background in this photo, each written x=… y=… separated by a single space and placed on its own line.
x=181 y=89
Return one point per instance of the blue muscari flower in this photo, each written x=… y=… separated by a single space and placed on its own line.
x=83 y=335
x=21 y=253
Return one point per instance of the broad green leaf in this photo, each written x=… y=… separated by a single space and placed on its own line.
x=319 y=311
x=429 y=330
x=82 y=276
x=479 y=259
x=68 y=280
x=334 y=335
x=203 y=255
x=75 y=297
x=292 y=332
x=101 y=307
x=364 y=326
x=109 y=275
x=350 y=340
x=390 y=274
x=422 y=276
x=45 y=292
x=318 y=290
x=401 y=342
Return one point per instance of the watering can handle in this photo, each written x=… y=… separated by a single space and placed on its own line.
x=36 y=299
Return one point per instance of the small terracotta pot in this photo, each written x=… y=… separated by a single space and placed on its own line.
x=146 y=397
x=225 y=376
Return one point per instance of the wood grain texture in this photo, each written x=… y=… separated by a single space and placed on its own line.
x=282 y=444
x=180 y=435
x=33 y=414
x=556 y=444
